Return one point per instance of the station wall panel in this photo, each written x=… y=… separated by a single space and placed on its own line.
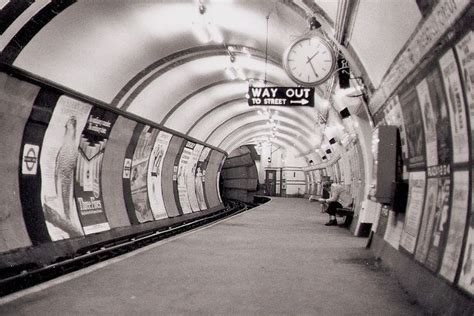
x=433 y=109
x=16 y=102
x=75 y=172
x=112 y=172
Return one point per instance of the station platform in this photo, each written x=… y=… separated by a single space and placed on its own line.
x=275 y=259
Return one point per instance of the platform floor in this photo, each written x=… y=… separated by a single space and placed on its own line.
x=276 y=259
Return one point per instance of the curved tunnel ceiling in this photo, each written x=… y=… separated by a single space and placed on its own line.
x=145 y=57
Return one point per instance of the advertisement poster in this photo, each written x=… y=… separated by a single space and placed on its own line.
x=466 y=279
x=200 y=178
x=413 y=128
x=434 y=229
x=191 y=177
x=155 y=165
x=393 y=116
x=427 y=221
x=465 y=51
x=457 y=225
x=429 y=123
x=457 y=113
x=138 y=177
x=87 y=186
x=393 y=231
x=414 y=209
x=183 y=175
x=58 y=162
x=441 y=118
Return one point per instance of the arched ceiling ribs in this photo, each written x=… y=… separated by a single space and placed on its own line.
x=252 y=113
x=265 y=133
x=251 y=140
x=289 y=129
x=283 y=143
x=261 y=138
x=216 y=108
x=287 y=145
x=141 y=80
x=203 y=90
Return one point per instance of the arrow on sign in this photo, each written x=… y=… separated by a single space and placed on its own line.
x=302 y=101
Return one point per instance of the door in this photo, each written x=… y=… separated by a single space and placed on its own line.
x=270 y=182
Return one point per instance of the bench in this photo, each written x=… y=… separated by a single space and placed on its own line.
x=348 y=212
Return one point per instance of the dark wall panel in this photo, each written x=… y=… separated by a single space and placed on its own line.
x=112 y=172
x=169 y=177
x=16 y=101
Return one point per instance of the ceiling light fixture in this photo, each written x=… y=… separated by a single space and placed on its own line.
x=205 y=30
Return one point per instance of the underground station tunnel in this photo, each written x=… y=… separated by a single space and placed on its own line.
x=219 y=157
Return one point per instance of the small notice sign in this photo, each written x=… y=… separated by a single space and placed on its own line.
x=281 y=96
x=30 y=159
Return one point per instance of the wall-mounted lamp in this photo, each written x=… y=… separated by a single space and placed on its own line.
x=344 y=72
x=313 y=23
x=233 y=71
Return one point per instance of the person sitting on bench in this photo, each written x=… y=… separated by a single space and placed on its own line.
x=337 y=200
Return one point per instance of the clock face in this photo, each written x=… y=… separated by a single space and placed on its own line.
x=309 y=61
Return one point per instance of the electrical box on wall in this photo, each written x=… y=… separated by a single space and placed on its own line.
x=386 y=150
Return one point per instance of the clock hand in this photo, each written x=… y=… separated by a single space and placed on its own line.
x=312 y=67
x=310 y=58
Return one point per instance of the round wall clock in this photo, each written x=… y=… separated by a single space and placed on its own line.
x=309 y=61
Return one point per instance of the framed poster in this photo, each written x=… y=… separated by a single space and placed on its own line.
x=200 y=178
x=155 y=165
x=413 y=128
x=191 y=177
x=393 y=116
x=466 y=278
x=139 y=172
x=429 y=123
x=182 y=177
x=457 y=225
x=87 y=186
x=394 y=228
x=457 y=112
x=465 y=52
x=414 y=209
x=58 y=163
x=439 y=230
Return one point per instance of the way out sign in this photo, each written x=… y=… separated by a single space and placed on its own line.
x=283 y=96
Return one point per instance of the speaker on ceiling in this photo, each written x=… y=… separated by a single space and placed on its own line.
x=345 y=113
